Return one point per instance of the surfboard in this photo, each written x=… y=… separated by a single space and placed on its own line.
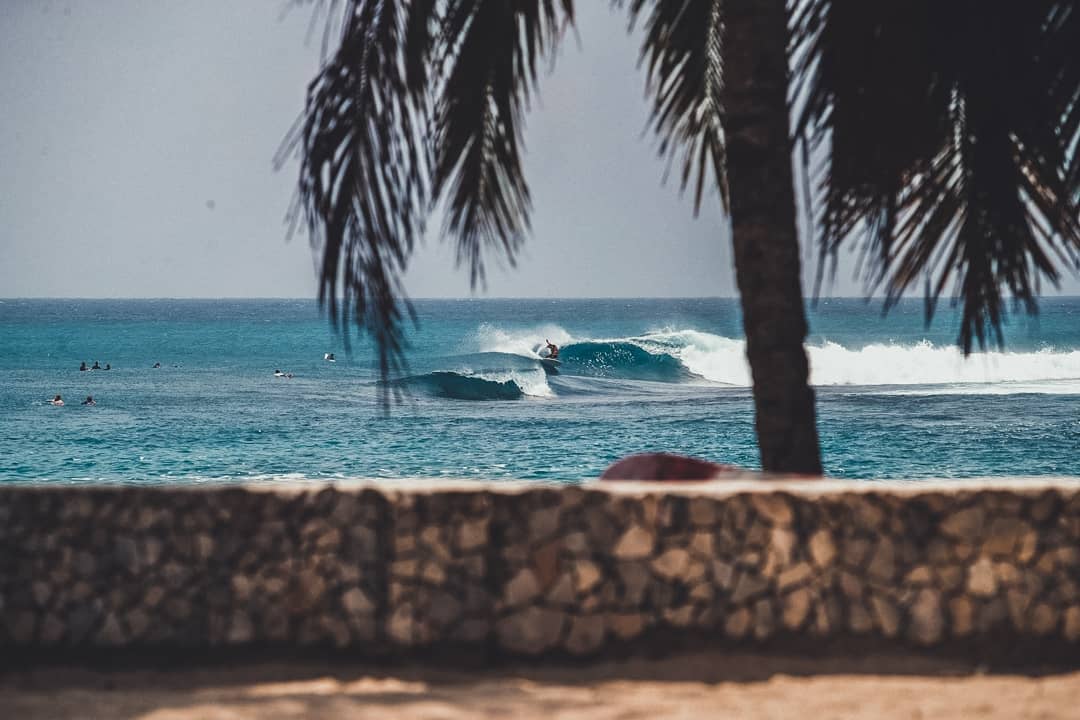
x=550 y=365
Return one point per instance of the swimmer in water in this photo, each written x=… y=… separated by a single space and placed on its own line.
x=58 y=401
x=108 y=366
x=157 y=365
x=89 y=400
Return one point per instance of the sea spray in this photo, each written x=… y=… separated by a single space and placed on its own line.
x=526 y=342
x=688 y=355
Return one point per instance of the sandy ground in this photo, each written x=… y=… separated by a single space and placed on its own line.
x=690 y=686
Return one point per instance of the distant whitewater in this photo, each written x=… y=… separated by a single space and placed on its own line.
x=895 y=399
x=691 y=355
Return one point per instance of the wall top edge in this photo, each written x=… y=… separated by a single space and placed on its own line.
x=740 y=484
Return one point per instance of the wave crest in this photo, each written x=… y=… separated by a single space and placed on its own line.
x=689 y=355
x=456 y=386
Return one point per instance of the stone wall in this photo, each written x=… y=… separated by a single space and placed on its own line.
x=528 y=569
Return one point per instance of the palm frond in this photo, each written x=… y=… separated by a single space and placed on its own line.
x=489 y=51
x=951 y=132
x=422 y=100
x=363 y=190
x=684 y=74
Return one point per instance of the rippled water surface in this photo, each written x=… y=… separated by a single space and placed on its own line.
x=894 y=399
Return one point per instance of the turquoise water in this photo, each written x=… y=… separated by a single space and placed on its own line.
x=894 y=399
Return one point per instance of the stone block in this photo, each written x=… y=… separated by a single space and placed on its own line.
x=773 y=507
x=962 y=615
x=1006 y=574
x=1018 y=601
x=780 y=550
x=544 y=523
x=882 y=565
x=1044 y=619
x=635 y=578
x=855 y=551
x=530 y=631
x=679 y=617
x=587 y=575
x=764 y=619
x=401 y=627
x=626 y=625
x=138 y=622
x=586 y=634
x=822 y=549
x=356 y=602
x=634 y=544
x=851 y=585
x=966 y=524
x=562 y=592
x=795 y=608
x=748 y=585
x=795 y=575
x=702 y=593
x=886 y=615
x=522 y=588
x=981 y=581
x=927 y=621
x=919 y=575
x=672 y=564
x=859 y=620
x=52 y=631
x=866 y=514
x=723 y=574
x=241 y=631
x=1072 y=623
x=1004 y=536
x=701 y=544
x=576 y=543
x=738 y=623
x=444 y=609
x=545 y=563
x=702 y=512
x=950 y=578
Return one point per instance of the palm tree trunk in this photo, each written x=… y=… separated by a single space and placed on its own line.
x=764 y=235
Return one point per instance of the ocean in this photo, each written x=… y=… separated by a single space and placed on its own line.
x=895 y=399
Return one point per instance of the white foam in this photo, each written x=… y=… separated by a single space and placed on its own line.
x=905 y=367
x=531 y=382
x=713 y=357
x=525 y=342
x=927 y=364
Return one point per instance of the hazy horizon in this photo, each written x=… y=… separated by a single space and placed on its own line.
x=137 y=152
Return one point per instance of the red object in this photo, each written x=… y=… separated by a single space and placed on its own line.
x=665 y=466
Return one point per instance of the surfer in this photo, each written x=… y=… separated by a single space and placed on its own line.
x=553 y=349
x=329 y=357
x=96 y=366
x=83 y=368
x=89 y=400
x=58 y=401
x=157 y=365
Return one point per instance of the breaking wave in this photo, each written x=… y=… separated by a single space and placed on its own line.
x=693 y=356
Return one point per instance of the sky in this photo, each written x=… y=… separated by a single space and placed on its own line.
x=136 y=149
